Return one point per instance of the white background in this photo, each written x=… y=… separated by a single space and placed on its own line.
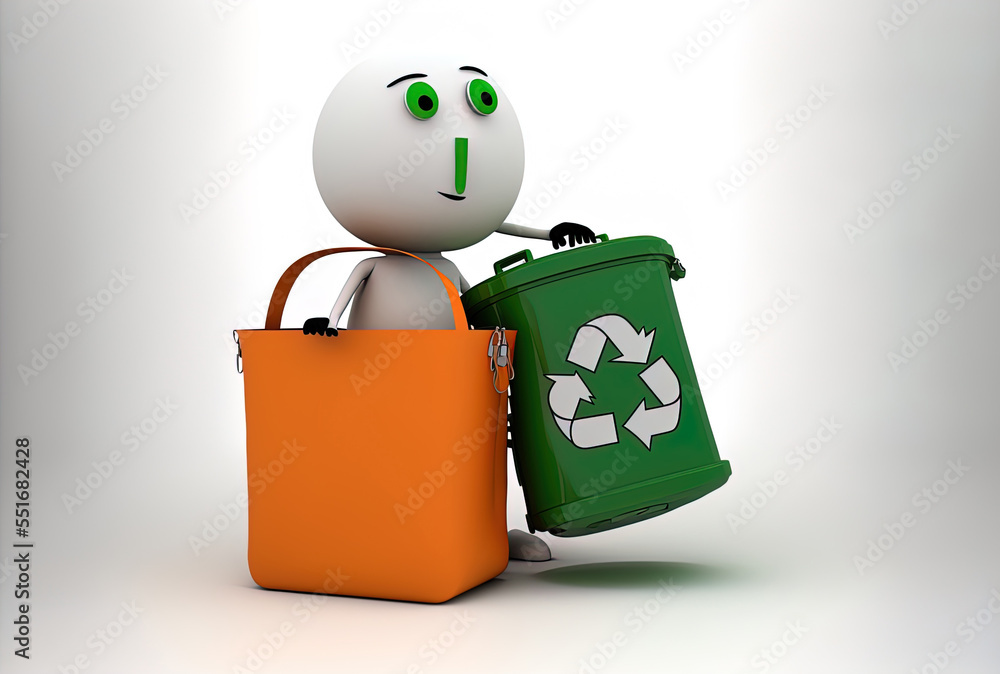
x=688 y=127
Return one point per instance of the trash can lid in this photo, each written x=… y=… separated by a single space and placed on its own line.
x=564 y=263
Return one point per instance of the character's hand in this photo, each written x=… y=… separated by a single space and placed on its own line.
x=319 y=326
x=571 y=233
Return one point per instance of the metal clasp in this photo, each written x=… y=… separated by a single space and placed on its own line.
x=239 y=353
x=498 y=353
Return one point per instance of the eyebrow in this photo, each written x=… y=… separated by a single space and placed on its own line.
x=474 y=69
x=404 y=77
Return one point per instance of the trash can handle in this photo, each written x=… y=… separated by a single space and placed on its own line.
x=284 y=285
x=523 y=256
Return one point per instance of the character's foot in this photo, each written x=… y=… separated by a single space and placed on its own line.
x=528 y=548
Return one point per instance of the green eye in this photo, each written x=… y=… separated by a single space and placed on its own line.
x=482 y=96
x=421 y=100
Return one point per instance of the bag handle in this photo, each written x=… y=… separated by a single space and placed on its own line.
x=284 y=285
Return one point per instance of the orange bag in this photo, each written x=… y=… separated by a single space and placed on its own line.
x=376 y=460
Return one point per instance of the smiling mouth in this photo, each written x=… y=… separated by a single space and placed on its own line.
x=453 y=197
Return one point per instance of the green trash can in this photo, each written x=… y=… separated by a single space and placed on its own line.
x=608 y=426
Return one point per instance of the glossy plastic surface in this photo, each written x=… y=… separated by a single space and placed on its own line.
x=573 y=490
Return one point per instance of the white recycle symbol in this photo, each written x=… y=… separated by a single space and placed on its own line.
x=569 y=389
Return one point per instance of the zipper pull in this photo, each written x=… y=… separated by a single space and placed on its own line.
x=503 y=359
x=499 y=359
x=492 y=352
x=502 y=356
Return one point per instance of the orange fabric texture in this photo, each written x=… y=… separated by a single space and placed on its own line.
x=376 y=461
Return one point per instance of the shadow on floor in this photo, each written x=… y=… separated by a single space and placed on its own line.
x=641 y=574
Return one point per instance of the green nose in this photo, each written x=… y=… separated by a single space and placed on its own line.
x=461 y=163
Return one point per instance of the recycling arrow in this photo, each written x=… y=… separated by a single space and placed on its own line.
x=590 y=432
x=662 y=381
x=564 y=397
x=566 y=394
x=568 y=390
x=588 y=344
x=646 y=422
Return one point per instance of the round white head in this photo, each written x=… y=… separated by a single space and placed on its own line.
x=421 y=154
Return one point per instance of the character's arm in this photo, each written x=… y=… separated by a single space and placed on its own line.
x=463 y=285
x=328 y=326
x=560 y=235
x=522 y=230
